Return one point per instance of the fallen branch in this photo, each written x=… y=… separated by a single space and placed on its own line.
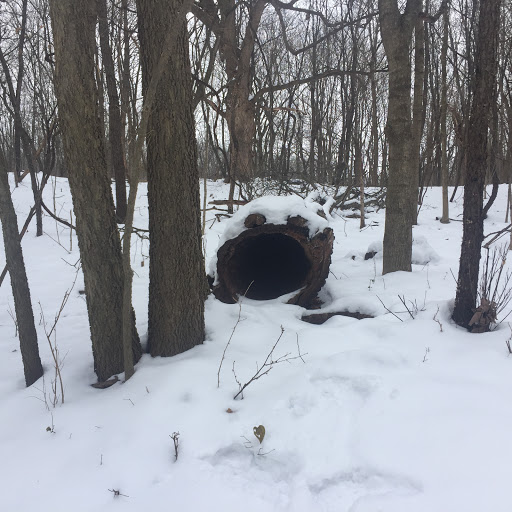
x=228 y=202
x=388 y=310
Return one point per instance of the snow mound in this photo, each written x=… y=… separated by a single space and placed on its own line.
x=422 y=252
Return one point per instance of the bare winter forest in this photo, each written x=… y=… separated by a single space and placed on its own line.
x=195 y=192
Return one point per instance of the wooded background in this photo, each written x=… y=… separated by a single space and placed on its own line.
x=263 y=94
x=302 y=90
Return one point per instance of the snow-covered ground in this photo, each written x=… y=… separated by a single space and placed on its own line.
x=382 y=415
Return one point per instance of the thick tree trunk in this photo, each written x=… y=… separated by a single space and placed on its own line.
x=396 y=31
x=242 y=129
x=19 y=283
x=74 y=26
x=481 y=108
x=177 y=281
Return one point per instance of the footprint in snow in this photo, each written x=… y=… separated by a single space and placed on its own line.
x=255 y=464
x=355 y=388
x=350 y=490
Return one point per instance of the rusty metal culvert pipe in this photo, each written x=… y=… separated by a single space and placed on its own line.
x=264 y=260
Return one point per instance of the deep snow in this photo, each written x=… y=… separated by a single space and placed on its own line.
x=382 y=415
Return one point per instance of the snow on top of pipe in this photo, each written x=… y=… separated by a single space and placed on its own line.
x=277 y=210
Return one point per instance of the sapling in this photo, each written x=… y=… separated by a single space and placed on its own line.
x=494 y=292
x=437 y=320
x=232 y=332
x=57 y=361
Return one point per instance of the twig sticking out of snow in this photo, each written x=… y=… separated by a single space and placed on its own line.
x=232 y=333
x=267 y=365
x=117 y=492
x=509 y=340
x=175 y=438
x=437 y=320
x=387 y=309
x=57 y=361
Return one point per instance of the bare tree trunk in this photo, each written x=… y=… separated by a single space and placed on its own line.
x=396 y=31
x=358 y=163
x=242 y=129
x=19 y=82
x=115 y=134
x=418 y=120
x=177 y=280
x=100 y=249
x=19 y=283
x=483 y=98
x=445 y=219
x=492 y=160
x=374 y=168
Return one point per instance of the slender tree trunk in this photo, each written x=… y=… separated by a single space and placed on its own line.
x=481 y=107
x=74 y=26
x=492 y=160
x=358 y=165
x=115 y=134
x=445 y=219
x=418 y=120
x=374 y=168
x=19 y=283
x=177 y=281
x=17 y=101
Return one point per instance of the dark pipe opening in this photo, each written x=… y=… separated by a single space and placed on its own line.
x=275 y=264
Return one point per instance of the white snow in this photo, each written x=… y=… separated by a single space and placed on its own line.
x=382 y=415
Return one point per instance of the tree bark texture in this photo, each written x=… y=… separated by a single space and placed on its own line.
x=74 y=26
x=396 y=29
x=22 y=304
x=115 y=127
x=481 y=108
x=177 y=280
x=269 y=260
